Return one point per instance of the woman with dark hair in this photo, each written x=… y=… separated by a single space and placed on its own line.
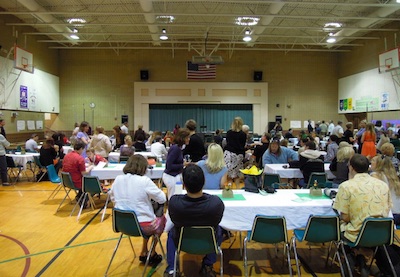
x=119 y=137
x=48 y=155
x=174 y=164
x=134 y=191
x=83 y=136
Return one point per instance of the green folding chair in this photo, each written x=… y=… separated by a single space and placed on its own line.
x=198 y=240
x=91 y=186
x=68 y=185
x=274 y=181
x=270 y=230
x=55 y=179
x=321 y=178
x=374 y=233
x=319 y=229
x=126 y=223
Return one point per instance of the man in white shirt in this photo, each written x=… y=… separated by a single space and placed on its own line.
x=330 y=127
x=338 y=130
x=158 y=149
x=31 y=144
x=124 y=128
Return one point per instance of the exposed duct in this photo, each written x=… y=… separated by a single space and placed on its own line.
x=33 y=6
x=382 y=12
x=147 y=7
x=274 y=8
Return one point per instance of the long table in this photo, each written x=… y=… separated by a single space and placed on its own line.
x=291 y=172
x=111 y=171
x=23 y=159
x=294 y=204
x=114 y=156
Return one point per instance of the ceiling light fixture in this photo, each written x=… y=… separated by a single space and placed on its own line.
x=75 y=30
x=246 y=21
x=331 y=40
x=247 y=36
x=76 y=21
x=164 y=36
x=73 y=36
x=166 y=18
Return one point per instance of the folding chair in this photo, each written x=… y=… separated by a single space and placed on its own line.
x=320 y=177
x=68 y=185
x=91 y=186
x=55 y=179
x=126 y=223
x=271 y=230
x=319 y=229
x=198 y=240
x=374 y=232
x=11 y=167
x=42 y=169
x=274 y=180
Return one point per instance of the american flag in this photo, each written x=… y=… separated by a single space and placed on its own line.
x=201 y=71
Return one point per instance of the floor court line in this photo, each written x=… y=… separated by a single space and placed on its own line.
x=26 y=251
x=68 y=243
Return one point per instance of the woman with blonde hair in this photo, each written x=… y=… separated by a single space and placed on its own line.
x=127 y=149
x=235 y=149
x=368 y=140
x=388 y=149
x=383 y=169
x=214 y=167
x=101 y=143
x=339 y=165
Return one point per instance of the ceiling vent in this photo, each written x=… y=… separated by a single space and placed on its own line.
x=207 y=60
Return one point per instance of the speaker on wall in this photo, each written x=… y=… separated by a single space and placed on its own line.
x=258 y=75
x=144 y=75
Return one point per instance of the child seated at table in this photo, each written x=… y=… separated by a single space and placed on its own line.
x=93 y=158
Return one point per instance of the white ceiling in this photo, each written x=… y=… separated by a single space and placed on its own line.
x=204 y=26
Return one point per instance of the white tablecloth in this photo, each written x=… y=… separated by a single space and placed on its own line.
x=23 y=159
x=113 y=170
x=291 y=172
x=113 y=157
x=239 y=214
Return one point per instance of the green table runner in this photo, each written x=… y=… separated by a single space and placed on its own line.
x=235 y=197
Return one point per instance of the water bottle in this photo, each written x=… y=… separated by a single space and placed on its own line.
x=178 y=187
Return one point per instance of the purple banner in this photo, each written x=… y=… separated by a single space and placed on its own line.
x=23 y=97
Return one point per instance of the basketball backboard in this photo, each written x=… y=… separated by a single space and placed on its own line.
x=389 y=60
x=23 y=59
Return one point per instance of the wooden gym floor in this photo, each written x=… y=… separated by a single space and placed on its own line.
x=37 y=241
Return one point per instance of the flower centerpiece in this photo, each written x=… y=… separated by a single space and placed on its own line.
x=227 y=192
x=315 y=190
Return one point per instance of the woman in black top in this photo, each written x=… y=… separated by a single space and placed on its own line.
x=235 y=150
x=48 y=155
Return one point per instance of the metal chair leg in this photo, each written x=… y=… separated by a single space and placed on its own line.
x=113 y=254
x=105 y=207
x=295 y=256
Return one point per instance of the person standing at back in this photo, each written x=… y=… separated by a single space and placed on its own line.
x=195 y=148
x=330 y=127
x=235 y=150
x=4 y=143
x=2 y=130
x=124 y=128
x=101 y=143
x=194 y=208
x=368 y=140
x=324 y=128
